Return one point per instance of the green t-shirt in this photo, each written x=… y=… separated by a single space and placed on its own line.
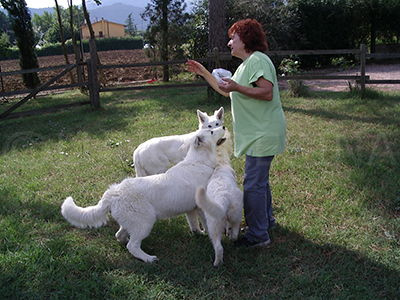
x=259 y=126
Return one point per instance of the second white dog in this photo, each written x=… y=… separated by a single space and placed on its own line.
x=223 y=202
x=136 y=203
x=156 y=155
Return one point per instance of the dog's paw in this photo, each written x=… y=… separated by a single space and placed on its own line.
x=218 y=263
x=151 y=259
x=198 y=232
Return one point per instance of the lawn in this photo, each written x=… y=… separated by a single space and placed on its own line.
x=336 y=198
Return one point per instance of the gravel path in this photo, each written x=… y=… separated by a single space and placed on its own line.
x=375 y=71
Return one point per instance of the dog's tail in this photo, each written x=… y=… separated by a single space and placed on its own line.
x=91 y=216
x=206 y=204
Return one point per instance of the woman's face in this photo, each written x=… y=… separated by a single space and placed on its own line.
x=237 y=46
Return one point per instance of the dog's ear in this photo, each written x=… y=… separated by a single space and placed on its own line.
x=198 y=140
x=220 y=114
x=202 y=116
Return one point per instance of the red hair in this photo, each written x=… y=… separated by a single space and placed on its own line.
x=251 y=34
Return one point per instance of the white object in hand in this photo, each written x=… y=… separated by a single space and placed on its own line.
x=221 y=73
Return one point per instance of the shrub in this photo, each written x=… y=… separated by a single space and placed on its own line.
x=104 y=44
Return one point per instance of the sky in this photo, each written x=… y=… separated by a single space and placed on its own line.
x=50 y=3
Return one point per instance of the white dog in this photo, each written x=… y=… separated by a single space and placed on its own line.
x=156 y=155
x=223 y=202
x=136 y=203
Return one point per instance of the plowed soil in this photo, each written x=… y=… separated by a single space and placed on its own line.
x=111 y=76
x=120 y=76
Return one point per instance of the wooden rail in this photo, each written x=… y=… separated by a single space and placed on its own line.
x=95 y=89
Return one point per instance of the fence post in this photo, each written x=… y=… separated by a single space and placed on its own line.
x=2 y=85
x=216 y=58
x=94 y=86
x=363 y=62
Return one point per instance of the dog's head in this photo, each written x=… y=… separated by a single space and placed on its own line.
x=224 y=149
x=210 y=122
x=207 y=138
x=213 y=137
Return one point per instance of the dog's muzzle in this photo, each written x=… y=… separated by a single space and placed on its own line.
x=221 y=141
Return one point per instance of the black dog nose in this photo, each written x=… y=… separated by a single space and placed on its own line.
x=223 y=127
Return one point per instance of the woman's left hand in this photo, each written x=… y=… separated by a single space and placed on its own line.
x=227 y=85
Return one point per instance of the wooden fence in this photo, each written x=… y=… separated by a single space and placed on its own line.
x=95 y=89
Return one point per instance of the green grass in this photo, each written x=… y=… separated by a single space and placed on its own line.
x=336 y=197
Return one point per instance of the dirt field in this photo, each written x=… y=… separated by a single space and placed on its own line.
x=128 y=75
x=112 y=76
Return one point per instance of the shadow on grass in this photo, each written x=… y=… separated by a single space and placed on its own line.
x=113 y=116
x=350 y=110
x=61 y=262
x=375 y=162
x=374 y=155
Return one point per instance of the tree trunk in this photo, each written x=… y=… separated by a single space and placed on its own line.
x=164 y=42
x=63 y=41
x=217 y=35
x=93 y=38
x=373 y=32
x=78 y=58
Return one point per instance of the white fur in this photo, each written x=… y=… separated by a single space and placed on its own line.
x=136 y=203
x=223 y=202
x=156 y=155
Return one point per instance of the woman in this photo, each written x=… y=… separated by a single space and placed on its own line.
x=259 y=123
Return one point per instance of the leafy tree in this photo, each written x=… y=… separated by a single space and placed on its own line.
x=130 y=25
x=4 y=39
x=22 y=25
x=4 y=44
x=4 y=22
x=198 y=29
x=44 y=21
x=323 y=24
x=277 y=17
x=49 y=27
x=375 y=19
x=167 y=29
x=339 y=24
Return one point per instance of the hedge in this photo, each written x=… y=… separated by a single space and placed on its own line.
x=103 y=44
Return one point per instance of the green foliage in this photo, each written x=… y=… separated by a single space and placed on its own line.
x=116 y=43
x=22 y=26
x=345 y=24
x=289 y=66
x=278 y=20
x=168 y=30
x=130 y=25
x=104 y=44
x=4 y=22
x=295 y=88
x=4 y=44
x=198 y=29
x=49 y=28
x=336 y=198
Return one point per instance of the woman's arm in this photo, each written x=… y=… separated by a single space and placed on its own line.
x=263 y=91
x=199 y=69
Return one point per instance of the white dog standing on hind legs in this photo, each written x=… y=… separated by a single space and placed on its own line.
x=136 y=203
x=156 y=155
x=223 y=201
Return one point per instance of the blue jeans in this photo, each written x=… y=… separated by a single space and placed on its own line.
x=257 y=197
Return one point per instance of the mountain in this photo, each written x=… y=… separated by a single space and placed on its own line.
x=40 y=11
x=138 y=3
x=118 y=13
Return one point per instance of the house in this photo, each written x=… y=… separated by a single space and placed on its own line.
x=104 y=29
